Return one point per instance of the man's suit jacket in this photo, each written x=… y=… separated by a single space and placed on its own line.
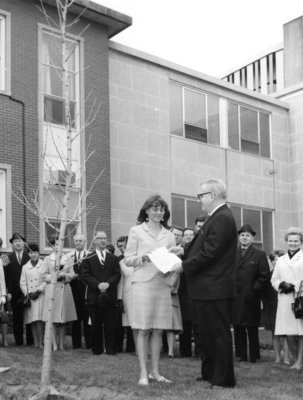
x=252 y=278
x=13 y=274
x=210 y=258
x=93 y=273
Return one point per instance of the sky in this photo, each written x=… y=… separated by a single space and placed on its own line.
x=210 y=36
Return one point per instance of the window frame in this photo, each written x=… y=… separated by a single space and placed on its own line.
x=206 y=95
x=241 y=138
x=7 y=170
x=5 y=55
x=42 y=28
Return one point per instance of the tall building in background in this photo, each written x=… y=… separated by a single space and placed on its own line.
x=160 y=128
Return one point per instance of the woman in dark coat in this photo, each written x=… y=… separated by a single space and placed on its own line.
x=252 y=277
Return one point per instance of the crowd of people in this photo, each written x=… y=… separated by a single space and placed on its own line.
x=219 y=281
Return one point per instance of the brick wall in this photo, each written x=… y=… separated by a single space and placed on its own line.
x=25 y=17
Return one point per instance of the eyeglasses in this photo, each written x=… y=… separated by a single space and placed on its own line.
x=200 y=195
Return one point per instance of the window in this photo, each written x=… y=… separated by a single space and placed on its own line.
x=194 y=115
x=260 y=221
x=185 y=211
x=248 y=130
x=55 y=125
x=3 y=233
x=5 y=204
x=53 y=87
x=4 y=51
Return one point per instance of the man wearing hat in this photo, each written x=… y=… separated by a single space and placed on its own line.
x=17 y=259
x=100 y=271
x=252 y=277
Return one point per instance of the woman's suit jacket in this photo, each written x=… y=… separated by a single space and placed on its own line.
x=252 y=277
x=142 y=241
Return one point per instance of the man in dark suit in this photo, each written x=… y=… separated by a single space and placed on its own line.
x=252 y=278
x=76 y=257
x=17 y=259
x=101 y=273
x=209 y=269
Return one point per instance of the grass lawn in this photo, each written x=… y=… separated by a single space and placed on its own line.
x=88 y=377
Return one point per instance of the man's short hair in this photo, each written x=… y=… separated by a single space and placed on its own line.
x=216 y=186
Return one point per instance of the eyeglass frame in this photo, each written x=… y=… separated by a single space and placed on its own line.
x=200 y=195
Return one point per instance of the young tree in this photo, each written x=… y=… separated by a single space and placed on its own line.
x=64 y=49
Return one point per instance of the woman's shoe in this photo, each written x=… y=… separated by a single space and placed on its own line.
x=160 y=379
x=143 y=382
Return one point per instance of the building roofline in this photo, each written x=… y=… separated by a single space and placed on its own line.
x=193 y=73
x=258 y=56
x=113 y=20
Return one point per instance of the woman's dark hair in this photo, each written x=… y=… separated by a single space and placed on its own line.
x=33 y=247
x=154 y=201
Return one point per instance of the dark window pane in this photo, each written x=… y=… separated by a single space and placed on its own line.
x=249 y=147
x=193 y=211
x=54 y=111
x=176 y=110
x=264 y=134
x=252 y=217
x=194 y=104
x=213 y=120
x=236 y=211
x=178 y=211
x=70 y=231
x=267 y=231
x=195 y=133
x=233 y=126
x=249 y=124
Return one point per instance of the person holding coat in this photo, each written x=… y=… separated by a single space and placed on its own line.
x=286 y=279
x=252 y=278
x=32 y=285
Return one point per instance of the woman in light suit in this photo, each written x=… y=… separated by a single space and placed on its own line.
x=151 y=290
x=286 y=278
x=63 y=307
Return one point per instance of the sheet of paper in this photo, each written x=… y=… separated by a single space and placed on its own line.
x=163 y=259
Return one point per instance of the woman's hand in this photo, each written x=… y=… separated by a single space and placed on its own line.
x=177 y=250
x=3 y=300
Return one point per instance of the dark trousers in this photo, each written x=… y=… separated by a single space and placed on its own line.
x=102 y=320
x=119 y=330
x=185 y=339
x=216 y=341
x=130 y=343
x=240 y=334
x=18 y=326
x=78 y=290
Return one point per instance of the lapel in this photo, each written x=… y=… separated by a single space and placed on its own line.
x=161 y=234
